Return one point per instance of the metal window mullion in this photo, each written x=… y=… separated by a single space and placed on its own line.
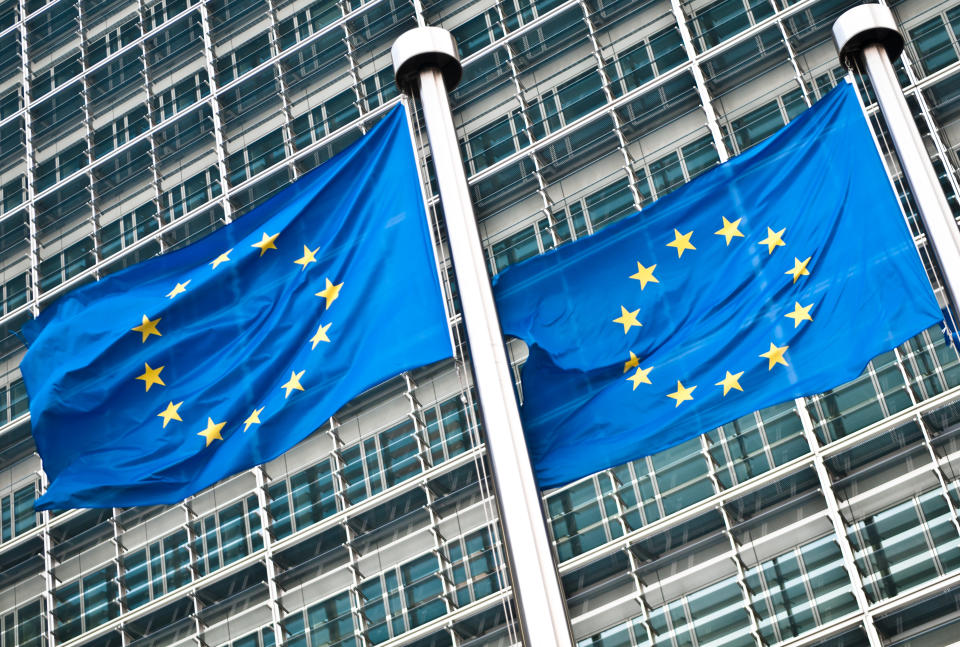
x=877 y=389
x=615 y=485
x=48 y=576
x=88 y=133
x=608 y=95
x=640 y=595
x=807 y=586
x=118 y=554
x=189 y=516
x=900 y=360
x=698 y=79
x=928 y=536
x=401 y=592
x=221 y=145
x=734 y=548
x=339 y=491
x=423 y=449
x=836 y=519
x=791 y=54
x=655 y=486
x=725 y=448
x=351 y=60
x=284 y=97
x=267 y=538
x=33 y=241
x=941 y=476
x=528 y=124
x=151 y=139
x=817 y=402
x=767 y=447
x=916 y=390
x=491 y=506
x=937 y=366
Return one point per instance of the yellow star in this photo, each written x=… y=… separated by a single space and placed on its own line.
x=730 y=230
x=222 y=258
x=170 y=413
x=773 y=240
x=775 y=355
x=321 y=335
x=682 y=394
x=151 y=376
x=212 y=432
x=307 y=258
x=628 y=319
x=147 y=327
x=267 y=242
x=799 y=268
x=645 y=275
x=681 y=242
x=330 y=293
x=254 y=418
x=633 y=362
x=800 y=313
x=731 y=381
x=640 y=377
x=180 y=289
x=293 y=383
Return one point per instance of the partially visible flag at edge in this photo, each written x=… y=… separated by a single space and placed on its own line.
x=162 y=379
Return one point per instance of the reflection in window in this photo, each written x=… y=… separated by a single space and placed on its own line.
x=16 y=507
x=905 y=545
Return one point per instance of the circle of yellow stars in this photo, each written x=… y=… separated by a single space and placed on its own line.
x=148 y=328
x=683 y=242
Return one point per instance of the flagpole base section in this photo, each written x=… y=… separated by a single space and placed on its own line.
x=426 y=62
x=867 y=38
x=867 y=24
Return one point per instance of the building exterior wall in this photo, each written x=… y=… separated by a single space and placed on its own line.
x=129 y=128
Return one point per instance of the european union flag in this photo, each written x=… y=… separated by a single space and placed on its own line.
x=162 y=379
x=778 y=274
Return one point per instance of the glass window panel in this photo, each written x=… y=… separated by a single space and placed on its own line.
x=24 y=516
x=757 y=125
x=933 y=45
x=423 y=590
x=610 y=203
x=515 y=248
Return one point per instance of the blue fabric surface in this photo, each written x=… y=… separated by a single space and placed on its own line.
x=717 y=316
x=246 y=342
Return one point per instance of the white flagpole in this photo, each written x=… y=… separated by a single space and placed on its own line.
x=868 y=34
x=425 y=60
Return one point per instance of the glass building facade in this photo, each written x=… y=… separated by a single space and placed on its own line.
x=129 y=128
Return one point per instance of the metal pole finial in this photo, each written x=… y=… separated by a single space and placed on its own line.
x=866 y=24
x=425 y=47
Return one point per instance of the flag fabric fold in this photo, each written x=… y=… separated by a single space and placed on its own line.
x=777 y=274
x=155 y=382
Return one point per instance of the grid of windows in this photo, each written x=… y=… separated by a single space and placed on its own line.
x=129 y=129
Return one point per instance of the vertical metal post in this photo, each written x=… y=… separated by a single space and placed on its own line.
x=868 y=34
x=425 y=60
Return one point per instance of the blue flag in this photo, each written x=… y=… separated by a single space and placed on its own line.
x=778 y=274
x=160 y=380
